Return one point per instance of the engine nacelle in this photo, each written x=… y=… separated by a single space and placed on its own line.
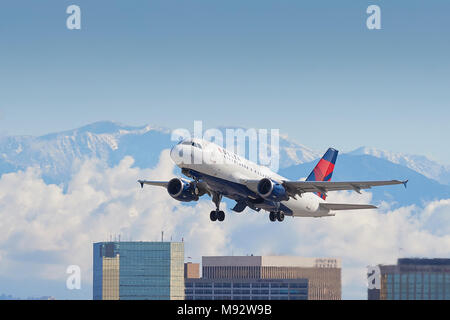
x=181 y=190
x=271 y=190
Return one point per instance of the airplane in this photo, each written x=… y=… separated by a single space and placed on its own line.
x=219 y=173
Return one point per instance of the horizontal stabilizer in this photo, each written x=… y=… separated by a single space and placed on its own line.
x=346 y=206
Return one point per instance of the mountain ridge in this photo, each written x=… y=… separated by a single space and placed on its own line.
x=418 y=163
x=56 y=153
x=420 y=189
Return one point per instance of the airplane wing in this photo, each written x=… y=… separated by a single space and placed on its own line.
x=200 y=185
x=346 y=206
x=299 y=187
x=154 y=183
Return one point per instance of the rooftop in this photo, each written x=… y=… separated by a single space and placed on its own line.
x=424 y=261
x=271 y=261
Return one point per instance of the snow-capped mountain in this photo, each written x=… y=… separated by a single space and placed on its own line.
x=420 y=164
x=56 y=154
x=293 y=153
x=420 y=189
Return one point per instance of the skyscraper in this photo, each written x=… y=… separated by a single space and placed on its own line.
x=410 y=279
x=138 y=271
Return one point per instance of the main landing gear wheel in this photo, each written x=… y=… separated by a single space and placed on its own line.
x=280 y=216
x=213 y=215
x=274 y=216
x=221 y=216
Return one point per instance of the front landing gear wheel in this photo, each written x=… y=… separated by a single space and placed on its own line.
x=217 y=214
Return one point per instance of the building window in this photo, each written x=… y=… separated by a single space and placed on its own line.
x=447 y=286
x=411 y=286
x=396 y=286
x=404 y=286
x=419 y=286
x=426 y=286
x=433 y=286
x=440 y=286
x=389 y=286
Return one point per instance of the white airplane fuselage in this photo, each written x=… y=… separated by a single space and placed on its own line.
x=209 y=160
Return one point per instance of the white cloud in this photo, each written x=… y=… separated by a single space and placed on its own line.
x=367 y=237
x=43 y=229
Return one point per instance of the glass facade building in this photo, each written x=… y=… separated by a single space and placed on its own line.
x=247 y=289
x=138 y=271
x=413 y=279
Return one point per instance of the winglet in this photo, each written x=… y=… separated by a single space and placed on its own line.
x=404 y=183
x=141 y=183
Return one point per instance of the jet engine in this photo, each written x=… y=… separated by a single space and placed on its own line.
x=181 y=190
x=271 y=190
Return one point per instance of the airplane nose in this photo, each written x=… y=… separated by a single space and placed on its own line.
x=172 y=152
x=176 y=154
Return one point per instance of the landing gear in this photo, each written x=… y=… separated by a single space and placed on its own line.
x=280 y=216
x=274 y=216
x=217 y=214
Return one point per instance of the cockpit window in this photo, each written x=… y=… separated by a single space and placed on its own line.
x=190 y=143
x=187 y=142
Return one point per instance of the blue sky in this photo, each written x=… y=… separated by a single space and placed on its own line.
x=312 y=69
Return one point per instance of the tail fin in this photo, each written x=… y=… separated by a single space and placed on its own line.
x=324 y=169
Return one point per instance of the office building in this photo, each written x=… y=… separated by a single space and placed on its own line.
x=246 y=289
x=191 y=270
x=410 y=279
x=266 y=278
x=138 y=271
